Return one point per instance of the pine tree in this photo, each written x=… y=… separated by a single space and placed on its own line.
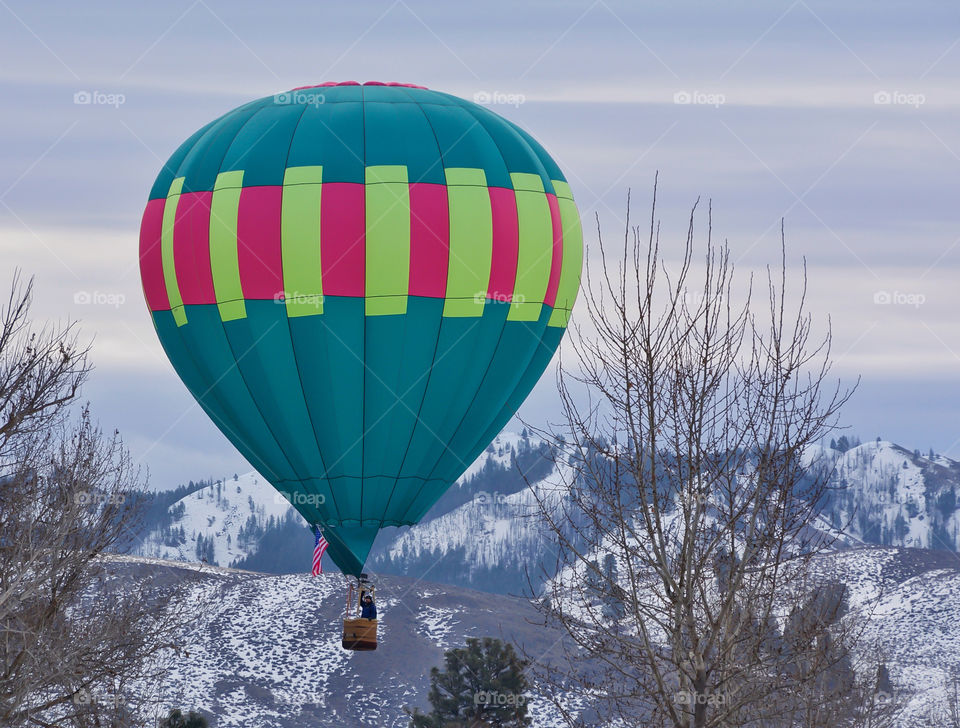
x=481 y=684
x=177 y=719
x=613 y=606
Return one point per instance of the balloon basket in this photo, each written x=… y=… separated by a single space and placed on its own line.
x=359 y=634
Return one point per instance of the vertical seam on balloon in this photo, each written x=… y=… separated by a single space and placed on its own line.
x=166 y=195
x=210 y=389
x=503 y=327
x=558 y=230
x=293 y=350
x=436 y=343
x=227 y=338
x=486 y=371
x=545 y=179
x=539 y=342
x=223 y=156
x=243 y=379
x=363 y=358
x=213 y=130
x=528 y=142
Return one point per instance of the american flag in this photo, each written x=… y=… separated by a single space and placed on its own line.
x=318 y=550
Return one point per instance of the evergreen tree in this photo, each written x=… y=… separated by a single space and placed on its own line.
x=613 y=606
x=177 y=719
x=481 y=684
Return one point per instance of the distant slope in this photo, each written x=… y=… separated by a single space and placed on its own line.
x=910 y=601
x=264 y=650
x=222 y=522
x=484 y=532
x=892 y=496
x=244 y=522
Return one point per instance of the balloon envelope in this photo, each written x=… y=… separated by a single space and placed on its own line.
x=360 y=284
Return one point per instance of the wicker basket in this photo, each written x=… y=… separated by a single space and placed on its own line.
x=359 y=634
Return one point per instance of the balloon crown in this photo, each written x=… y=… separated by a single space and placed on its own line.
x=357 y=83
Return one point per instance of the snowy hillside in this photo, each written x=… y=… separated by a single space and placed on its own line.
x=226 y=520
x=894 y=497
x=478 y=521
x=910 y=602
x=483 y=532
x=265 y=650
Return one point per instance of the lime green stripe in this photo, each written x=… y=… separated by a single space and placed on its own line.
x=536 y=249
x=300 y=240
x=224 y=260
x=166 y=252
x=387 y=279
x=527 y=181
x=386 y=173
x=465 y=176
x=302 y=175
x=572 y=261
x=471 y=242
x=226 y=180
x=562 y=189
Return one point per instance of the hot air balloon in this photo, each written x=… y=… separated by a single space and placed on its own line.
x=360 y=284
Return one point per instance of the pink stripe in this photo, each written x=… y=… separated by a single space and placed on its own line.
x=151 y=258
x=258 y=233
x=343 y=230
x=191 y=248
x=506 y=244
x=429 y=239
x=556 y=263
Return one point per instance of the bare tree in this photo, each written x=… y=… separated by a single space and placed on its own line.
x=686 y=521
x=946 y=712
x=78 y=645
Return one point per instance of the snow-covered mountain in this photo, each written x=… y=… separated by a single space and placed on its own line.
x=221 y=523
x=478 y=534
x=252 y=652
x=264 y=650
x=483 y=534
x=909 y=601
x=885 y=494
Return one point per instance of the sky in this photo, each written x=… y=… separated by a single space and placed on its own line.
x=842 y=119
